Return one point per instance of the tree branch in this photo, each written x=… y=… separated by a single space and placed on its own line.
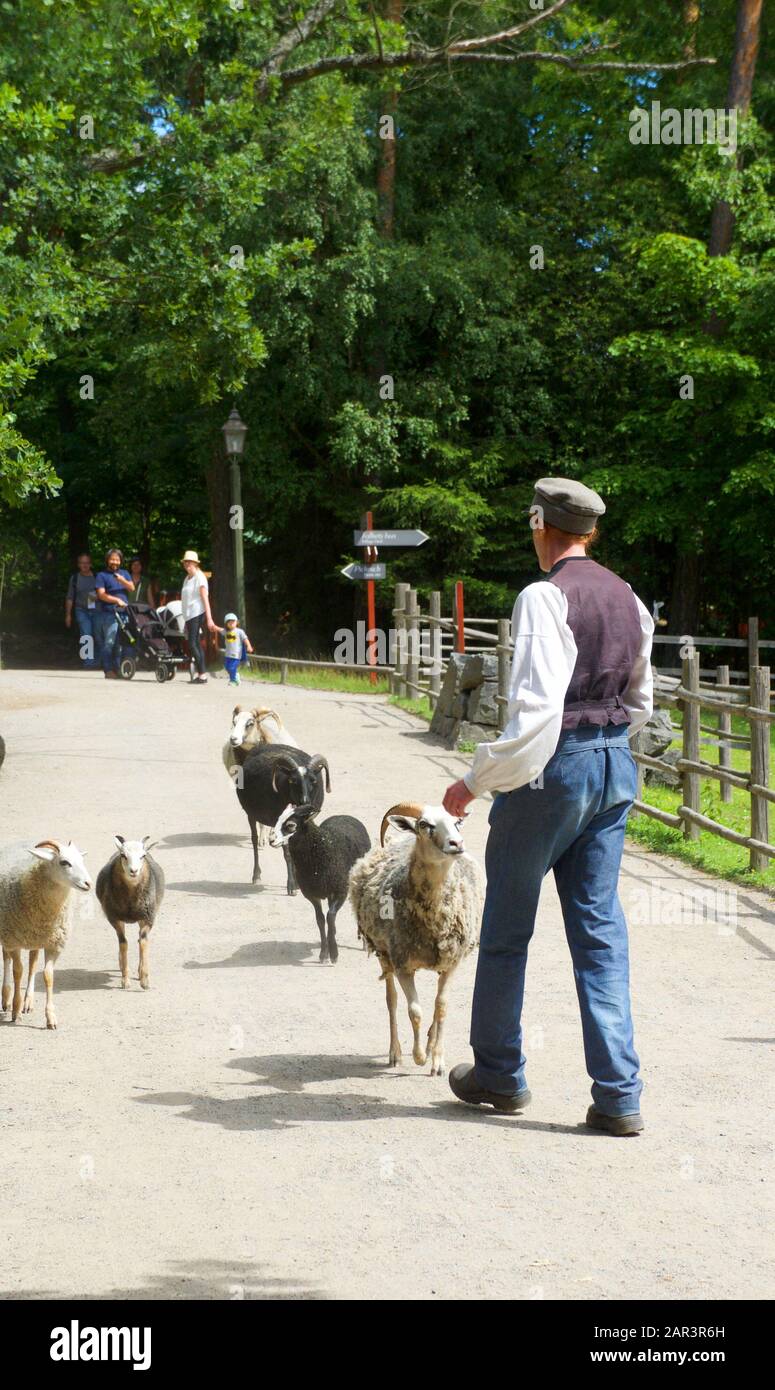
x=300 y=31
x=427 y=57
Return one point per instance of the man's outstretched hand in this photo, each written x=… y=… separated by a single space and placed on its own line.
x=456 y=798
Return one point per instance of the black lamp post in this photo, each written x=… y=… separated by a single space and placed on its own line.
x=234 y=432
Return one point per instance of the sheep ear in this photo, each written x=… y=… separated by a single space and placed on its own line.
x=237 y=710
x=44 y=852
x=119 y=841
x=404 y=823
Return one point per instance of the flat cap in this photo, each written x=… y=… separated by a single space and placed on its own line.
x=567 y=504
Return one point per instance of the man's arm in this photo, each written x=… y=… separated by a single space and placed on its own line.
x=544 y=657
x=638 y=698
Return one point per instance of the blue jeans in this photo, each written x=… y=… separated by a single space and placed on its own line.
x=573 y=824
x=87 y=627
x=106 y=632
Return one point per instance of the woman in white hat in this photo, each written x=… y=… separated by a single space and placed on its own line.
x=195 y=605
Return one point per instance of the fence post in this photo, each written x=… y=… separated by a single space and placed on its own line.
x=412 y=664
x=753 y=647
x=458 y=612
x=399 y=615
x=504 y=669
x=690 y=679
x=724 y=729
x=283 y=672
x=434 y=611
x=760 y=764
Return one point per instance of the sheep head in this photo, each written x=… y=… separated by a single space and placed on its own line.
x=288 y=822
x=132 y=854
x=66 y=862
x=252 y=726
x=432 y=825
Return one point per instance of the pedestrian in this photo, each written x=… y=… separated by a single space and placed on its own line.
x=113 y=586
x=564 y=780
x=145 y=589
x=195 y=600
x=81 y=603
x=236 y=644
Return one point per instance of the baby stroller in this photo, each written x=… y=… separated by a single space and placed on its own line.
x=144 y=643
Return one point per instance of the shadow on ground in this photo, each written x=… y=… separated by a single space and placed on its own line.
x=262 y=953
x=192 y=1279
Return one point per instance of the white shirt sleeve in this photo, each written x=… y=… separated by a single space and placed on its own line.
x=638 y=698
x=544 y=659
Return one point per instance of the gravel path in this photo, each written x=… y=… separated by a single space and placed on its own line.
x=235 y=1131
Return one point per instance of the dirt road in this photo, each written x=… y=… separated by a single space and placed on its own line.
x=235 y=1132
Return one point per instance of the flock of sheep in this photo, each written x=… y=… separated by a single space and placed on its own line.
x=417 y=897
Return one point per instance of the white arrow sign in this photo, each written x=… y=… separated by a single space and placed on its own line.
x=389 y=537
x=364 y=571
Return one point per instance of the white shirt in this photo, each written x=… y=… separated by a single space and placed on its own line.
x=544 y=658
x=190 y=597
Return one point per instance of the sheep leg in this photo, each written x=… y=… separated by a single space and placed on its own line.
x=263 y=837
x=123 y=953
x=142 y=968
x=18 y=970
x=7 y=966
x=436 y=1030
x=291 y=885
x=321 y=921
x=406 y=981
x=334 y=905
x=254 y=838
x=29 y=997
x=391 y=997
x=48 y=976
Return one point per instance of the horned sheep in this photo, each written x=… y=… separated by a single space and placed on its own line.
x=36 y=913
x=418 y=903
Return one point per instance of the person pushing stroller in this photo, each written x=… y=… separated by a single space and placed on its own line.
x=236 y=644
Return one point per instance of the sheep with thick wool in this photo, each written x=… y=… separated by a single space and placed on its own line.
x=36 y=913
x=418 y=903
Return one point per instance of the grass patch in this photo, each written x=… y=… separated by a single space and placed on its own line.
x=709 y=852
x=420 y=706
x=310 y=679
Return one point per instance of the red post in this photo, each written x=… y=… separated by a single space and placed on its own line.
x=460 y=636
x=371 y=652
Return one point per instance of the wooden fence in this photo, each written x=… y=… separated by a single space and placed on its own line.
x=423 y=643
x=688 y=694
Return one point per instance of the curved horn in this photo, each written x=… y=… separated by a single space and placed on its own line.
x=49 y=844
x=261 y=712
x=316 y=762
x=401 y=808
x=282 y=763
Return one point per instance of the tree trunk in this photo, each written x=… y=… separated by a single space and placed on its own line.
x=222 y=596
x=386 y=169
x=684 y=612
x=749 y=14
x=78 y=521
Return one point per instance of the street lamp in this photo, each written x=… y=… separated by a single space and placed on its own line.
x=234 y=432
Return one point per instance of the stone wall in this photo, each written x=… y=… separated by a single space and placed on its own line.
x=466 y=710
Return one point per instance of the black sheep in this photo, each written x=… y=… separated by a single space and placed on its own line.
x=322 y=857
x=274 y=776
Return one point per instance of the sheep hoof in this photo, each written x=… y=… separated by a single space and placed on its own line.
x=51 y=1022
x=28 y=1006
x=145 y=983
x=437 y=1068
x=292 y=892
x=125 y=982
x=419 y=1057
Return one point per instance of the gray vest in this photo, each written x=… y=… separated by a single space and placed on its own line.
x=604 y=619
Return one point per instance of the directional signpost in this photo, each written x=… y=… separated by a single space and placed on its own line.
x=367 y=539
x=364 y=571
x=406 y=538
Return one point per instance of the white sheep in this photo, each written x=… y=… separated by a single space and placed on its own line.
x=36 y=913
x=250 y=727
x=418 y=903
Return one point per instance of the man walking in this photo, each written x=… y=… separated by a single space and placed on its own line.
x=113 y=584
x=564 y=780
